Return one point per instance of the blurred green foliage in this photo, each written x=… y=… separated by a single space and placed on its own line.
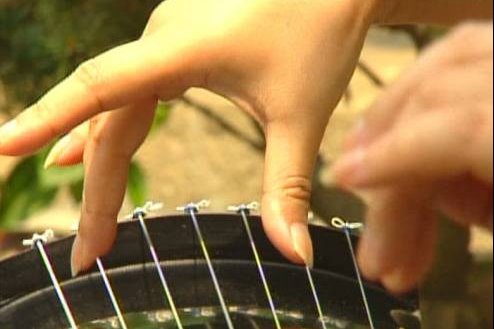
x=41 y=42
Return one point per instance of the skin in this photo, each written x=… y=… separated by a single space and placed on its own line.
x=425 y=146
x=285 y=62
x=263 y=55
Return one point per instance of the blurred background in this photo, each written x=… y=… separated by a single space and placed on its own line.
x=201 y=145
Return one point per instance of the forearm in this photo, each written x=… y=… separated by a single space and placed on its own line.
x=440 y=12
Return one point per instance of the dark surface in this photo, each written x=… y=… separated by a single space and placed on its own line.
x=28 y=301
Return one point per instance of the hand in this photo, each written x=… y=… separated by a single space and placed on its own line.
x=426 y=145
x=286 y=62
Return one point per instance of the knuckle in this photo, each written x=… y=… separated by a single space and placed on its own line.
x=296 y=187
x=89 y=74
x=43 y=112
x=119 y=153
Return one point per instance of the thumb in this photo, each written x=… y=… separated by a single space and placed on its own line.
x=290 y=157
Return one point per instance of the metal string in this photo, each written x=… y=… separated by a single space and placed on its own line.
x=109 y=289
x=316 y=297
x=347 y=228
x=191 y=210
x=37 y=241
x=166 y=288
x=244 y=212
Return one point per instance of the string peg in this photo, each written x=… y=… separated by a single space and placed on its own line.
x=146 y=209
x=37 y=242
x=339 y=223
x=347 y=228
x=246 y=208
x=195 y=207
x=44 y=238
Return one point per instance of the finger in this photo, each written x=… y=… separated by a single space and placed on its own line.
x=290 y=156
x=69 y=150
x=385 y=112
x=380 y=117
x=466 y=200
x=434 y=64
x=107 y=157
x=432 y=147
x=397 y=246
x=111 y=80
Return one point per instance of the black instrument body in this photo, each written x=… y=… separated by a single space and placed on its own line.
x=27 y=299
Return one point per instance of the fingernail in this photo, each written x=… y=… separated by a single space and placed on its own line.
x=75 y=258
x=57 y=151
x=350 y=169
x=302 y=243
x=396 y=282
x=357 y=136
x=8 y=129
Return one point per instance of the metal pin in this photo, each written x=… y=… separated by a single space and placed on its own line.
x=109 y=289
x=192 y=209
x=38 y=241
x=244 y=211
x=139 y=215
x=347 y=228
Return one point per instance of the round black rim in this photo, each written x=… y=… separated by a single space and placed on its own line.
x=27 y=299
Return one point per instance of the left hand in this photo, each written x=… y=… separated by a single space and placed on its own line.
x=425 y=146
x=285 y=62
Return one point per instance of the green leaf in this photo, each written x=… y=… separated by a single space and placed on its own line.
x=161 y=116
x=58 y=176
x=137 y=185
x=22 y=194
x=76 y=190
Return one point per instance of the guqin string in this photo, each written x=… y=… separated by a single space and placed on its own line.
x=192 y=209
x=111 y=294
x=244 y=211
x=312 y=285
x=347 y=228
x=38 y=242
x=139 y=214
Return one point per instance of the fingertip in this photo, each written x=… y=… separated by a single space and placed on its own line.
x=8 y=129
x=8 y=133
x=92 y=242
x=68 y=151
x=76 y=257
x=72 y=155
x=400 y=282
x=287 y=231
x=54 y=154
x=302 y=243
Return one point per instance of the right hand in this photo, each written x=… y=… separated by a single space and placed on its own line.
x=425 y=146
x=286 y=62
